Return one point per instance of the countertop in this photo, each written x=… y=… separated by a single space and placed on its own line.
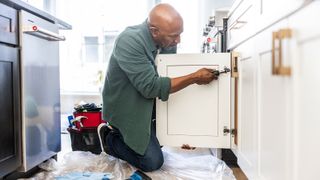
x=20 y=5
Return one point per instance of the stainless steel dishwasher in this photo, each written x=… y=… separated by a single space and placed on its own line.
x=40 y=89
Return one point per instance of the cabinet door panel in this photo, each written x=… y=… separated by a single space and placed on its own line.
x=6 y=116
x=247 y=149
x=275 y=109
x=179 y=105
x=10 y=140
x=197 y=114
x=306 y=43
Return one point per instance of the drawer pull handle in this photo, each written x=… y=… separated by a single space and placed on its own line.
x=43 y=33
x=277 y=67
x=238 y=24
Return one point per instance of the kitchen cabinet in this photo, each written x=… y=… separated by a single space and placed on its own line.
x=275 y=94
x=278 y=98
x=246 y=148
x=274 y=99
x=305 y=43
x=8 y=25
x=288 y=97
x=10 y=154
x=272 y=10
x=203 y=110
x=10 y=139
x=241 y=21
x=29 y=87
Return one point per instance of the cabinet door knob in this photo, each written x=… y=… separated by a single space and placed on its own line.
x=226 y=131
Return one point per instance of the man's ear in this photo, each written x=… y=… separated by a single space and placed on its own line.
x=154 y=31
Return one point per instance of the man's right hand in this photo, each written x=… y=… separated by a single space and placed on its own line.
x=204 y=76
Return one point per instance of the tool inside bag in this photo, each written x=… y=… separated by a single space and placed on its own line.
x=83 y=128
x=85 y=139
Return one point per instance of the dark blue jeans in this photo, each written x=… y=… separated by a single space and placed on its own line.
x=150 y=161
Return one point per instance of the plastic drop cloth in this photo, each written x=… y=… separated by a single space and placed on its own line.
x=198 y=164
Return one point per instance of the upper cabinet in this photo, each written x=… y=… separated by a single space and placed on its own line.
x=8 y=25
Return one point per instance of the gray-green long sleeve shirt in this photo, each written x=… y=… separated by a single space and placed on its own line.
x=131 y=85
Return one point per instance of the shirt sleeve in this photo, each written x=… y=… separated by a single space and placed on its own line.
x=132 y=58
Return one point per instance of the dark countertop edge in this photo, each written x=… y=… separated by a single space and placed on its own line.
x=20 y=5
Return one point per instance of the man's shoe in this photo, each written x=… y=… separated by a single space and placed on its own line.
x=103 y=131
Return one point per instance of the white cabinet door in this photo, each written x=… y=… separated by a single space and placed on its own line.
x=247 y=131
x=275 y=108
x=306 y=43
x=198 y=114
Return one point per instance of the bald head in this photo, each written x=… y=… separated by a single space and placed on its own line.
x=164 y=16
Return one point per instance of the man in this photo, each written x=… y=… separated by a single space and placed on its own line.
x=132 y=84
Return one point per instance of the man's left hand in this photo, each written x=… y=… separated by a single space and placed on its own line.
x=187 y=147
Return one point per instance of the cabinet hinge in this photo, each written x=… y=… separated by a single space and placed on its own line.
x=234 y=64
x=233 y=132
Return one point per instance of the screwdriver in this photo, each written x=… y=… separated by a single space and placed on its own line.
x=217 y=72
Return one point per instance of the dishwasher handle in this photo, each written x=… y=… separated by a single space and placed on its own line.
x=43 y=33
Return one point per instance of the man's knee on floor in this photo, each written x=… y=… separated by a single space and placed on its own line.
x=152 y=164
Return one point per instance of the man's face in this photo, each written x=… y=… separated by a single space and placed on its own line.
x=169 y=39
x=167 y=36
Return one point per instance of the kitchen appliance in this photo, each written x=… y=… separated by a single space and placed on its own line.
x=40 y=90
x=215 y=33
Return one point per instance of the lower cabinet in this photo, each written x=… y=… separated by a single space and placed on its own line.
x=275 y=93
x=246 y=148
x=306 y=73
x=203 y=110
x=10 y=151
x=279 y=99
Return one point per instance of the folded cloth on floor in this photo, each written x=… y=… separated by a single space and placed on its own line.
x=85 y=176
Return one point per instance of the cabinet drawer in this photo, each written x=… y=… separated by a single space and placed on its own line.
x=8 y=25
x=273 y=10
x=240 y=22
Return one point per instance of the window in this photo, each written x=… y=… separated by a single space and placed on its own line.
x=91 y=46
x=84 y=56
x=109 y=39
